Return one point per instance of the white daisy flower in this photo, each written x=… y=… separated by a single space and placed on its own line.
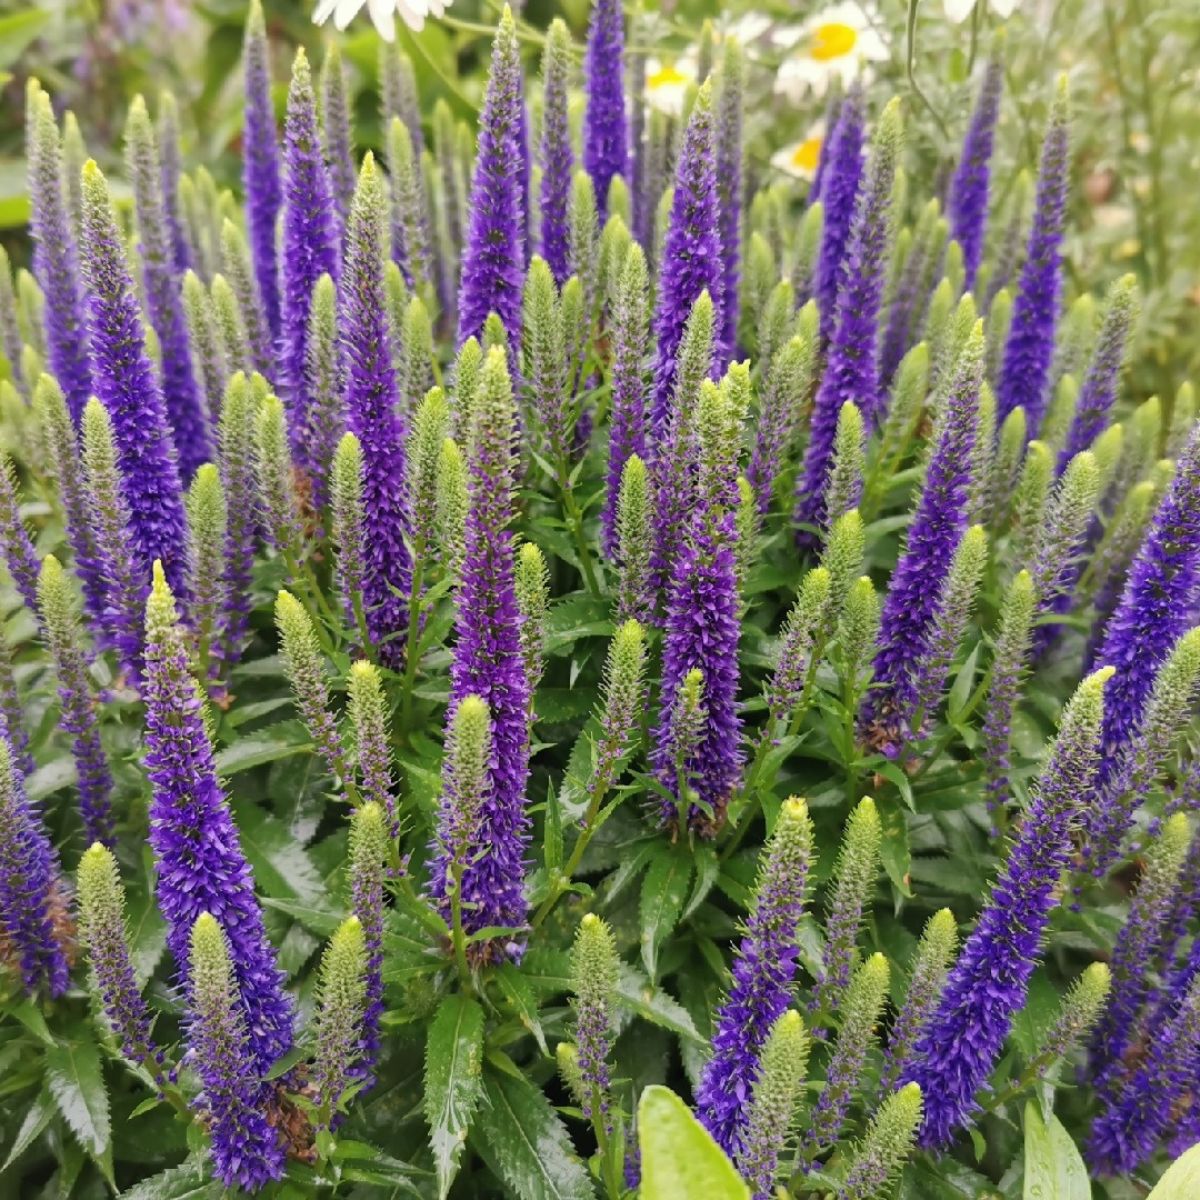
x=959 y=10
x=667 y=82
x=838 y=43
x=800 y=159
x=383 y=13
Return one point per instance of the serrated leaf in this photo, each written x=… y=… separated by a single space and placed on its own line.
x=708 y=867
x=519 y=993
x=1054 y=1169
x=32 y=1127
x=453 y=1082
x=679 y=1157
x=522 y=1140
x=1182 y=1178
x=554 y=831
x=664 y=892
x=188 y=1181
x=77 y=1085
x=640 y=997
x=279 y=741
x=281 y=864
x=893 y=847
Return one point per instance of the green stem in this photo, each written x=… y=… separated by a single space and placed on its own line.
x=575 y=520
x=415 y=592
x=457 y=937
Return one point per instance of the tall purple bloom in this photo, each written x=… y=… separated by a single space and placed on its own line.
x=967 y=205
x=164 y=303
x=260 y=165
x=1156 y=607
x=247 y=1148
x=64 y=638
x=702 y=621
x=605 y=127
x=840 y=177
x=1126 y=1133
x=54 y=258
x=488 y=663
x=31 y=895
x=126 y=384
x=728 y=138
x=493 y=262
x=1098 y=392
x=763 y=972
x=309 y=251
x=16 y=546
x=371 y=398
x=1025 y=371
x=988 y=984
x=201 y=867
x=910 y=610
x=852 y=364
x=691 y=257
x=557 y=157
x=631 y=335
x=172 y=169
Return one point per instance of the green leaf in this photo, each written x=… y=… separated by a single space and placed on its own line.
x=664 y=891
x=522 y=1140
x=188 y=1181
x=1053 y=1168
x=57 y=774
x=680 y=1161
x=519 y=993
x=1182 y=1180
x=32 y=1127
x=453 y=1082
x=640 y=997
x=893 y=846
x=74 y=1078
x=17 y=31
x=281 y=864
x=279 y=741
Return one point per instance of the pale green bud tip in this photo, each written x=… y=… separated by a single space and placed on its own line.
x=877 y=969
x=369 y=821
x=942 y=927
x=364 y=677
x=1176 y=833
x=347 y=943
x=1096 y=980
x=594 y=957
x=100 y=894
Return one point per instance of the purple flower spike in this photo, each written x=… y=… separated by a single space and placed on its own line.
x=968 y=203
x=988 y=984
x=260 y=165
x=201 y=867
x=691 y=257
x=852 y=365
x=164 y=303
x=1156 y=607
x=309 y=251
x=910 y=611
x=702 y=623
x=557 y=157
x=31 y=896
x=55 y=262
x=493 y=262
x=1025 y=371
x=488 y=663
x=16 y=546
x=1098 y=392
x=763 y=972
x=128 y=387
x=605 y=127
x=247 y=1148
x=371 y=397
x=627 y=435
x=1127 y=1131
x=841 y=173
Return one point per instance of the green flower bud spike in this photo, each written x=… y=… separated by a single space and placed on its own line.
x=341 y=1005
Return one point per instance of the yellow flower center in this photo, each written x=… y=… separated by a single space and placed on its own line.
x=832 y=41
x=666 y=76
x=807 y=154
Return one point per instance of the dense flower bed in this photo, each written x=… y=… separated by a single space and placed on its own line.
x=510 y=623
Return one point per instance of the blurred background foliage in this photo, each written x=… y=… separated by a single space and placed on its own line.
x=1133 y=66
